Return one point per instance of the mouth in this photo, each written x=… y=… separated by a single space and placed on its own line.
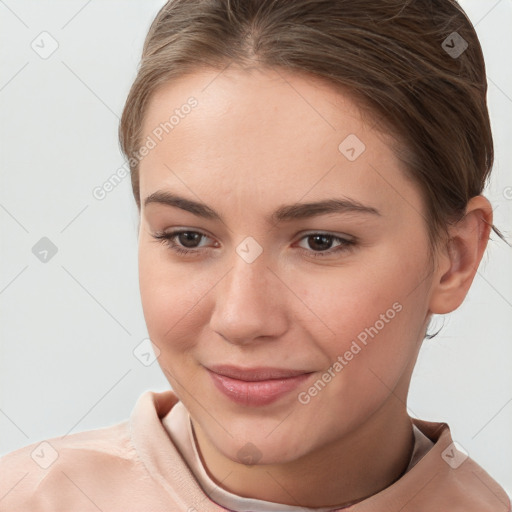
x=256 y=386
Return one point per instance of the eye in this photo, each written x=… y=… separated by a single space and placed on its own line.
x=322 y=240
x=185 y=242
x=186 y=237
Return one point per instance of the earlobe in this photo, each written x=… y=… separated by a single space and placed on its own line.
x=460 y=261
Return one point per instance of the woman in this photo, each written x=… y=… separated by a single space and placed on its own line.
x=308 y=175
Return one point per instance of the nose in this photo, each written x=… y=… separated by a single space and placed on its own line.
x=250 y=303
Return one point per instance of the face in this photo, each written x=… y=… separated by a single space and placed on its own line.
x=336 y=292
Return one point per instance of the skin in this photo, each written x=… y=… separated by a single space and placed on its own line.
x=259 y=139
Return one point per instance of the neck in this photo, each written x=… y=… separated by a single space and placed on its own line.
x=364 y=462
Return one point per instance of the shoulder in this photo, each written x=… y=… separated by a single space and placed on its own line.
x=114 y=468
x=74 y=468
x=448 y=477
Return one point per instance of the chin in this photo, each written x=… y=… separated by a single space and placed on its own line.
x=261 y=448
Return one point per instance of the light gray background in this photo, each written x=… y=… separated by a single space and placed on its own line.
x=69 y=326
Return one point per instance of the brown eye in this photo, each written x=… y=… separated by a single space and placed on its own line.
x=320 y=244
x=189 y=238
x=181 y=241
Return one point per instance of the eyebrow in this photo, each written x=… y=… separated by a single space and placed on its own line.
x=285 y=213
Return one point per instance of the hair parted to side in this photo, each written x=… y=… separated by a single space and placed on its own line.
x=387 y=54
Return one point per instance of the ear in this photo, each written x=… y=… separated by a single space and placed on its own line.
x=458 y=261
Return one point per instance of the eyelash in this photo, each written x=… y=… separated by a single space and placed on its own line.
x=167 y=239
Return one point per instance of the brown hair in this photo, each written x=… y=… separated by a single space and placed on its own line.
x=397 y=57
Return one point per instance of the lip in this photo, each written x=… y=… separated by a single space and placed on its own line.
x=256 y=386
x=260 y=373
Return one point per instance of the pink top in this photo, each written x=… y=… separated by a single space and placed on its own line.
x=135 y=465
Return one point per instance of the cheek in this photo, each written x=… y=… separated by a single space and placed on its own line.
x=372 y=348
x=174 y=300
x=166 y=296
x=374 y=315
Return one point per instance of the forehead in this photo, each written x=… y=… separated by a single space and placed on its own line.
x=262 y=133
x=259 y=100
